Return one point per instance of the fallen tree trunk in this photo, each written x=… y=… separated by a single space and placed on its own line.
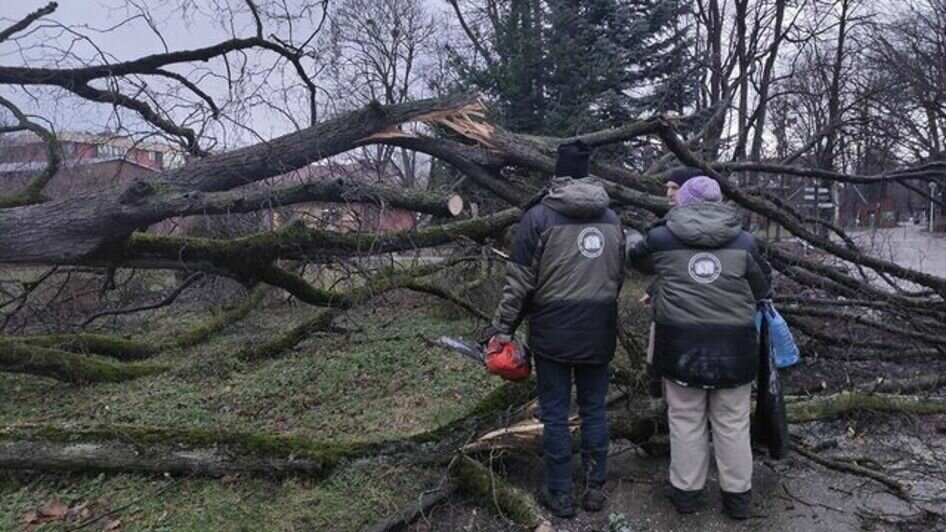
x=70 y=230
x=644 y=419
x=69 y=367
x=833 y=406
x=122 y=457
x=207 y=451
x=173 y=450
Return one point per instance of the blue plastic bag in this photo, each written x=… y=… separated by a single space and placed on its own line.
x=781 y=340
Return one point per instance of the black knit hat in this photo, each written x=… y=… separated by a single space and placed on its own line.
x=572 y=159
x=682 y=174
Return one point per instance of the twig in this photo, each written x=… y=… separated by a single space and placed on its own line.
x=408 y=514
x=164 y=302
x=808 y=503
x=898 y=489
x=148 y=495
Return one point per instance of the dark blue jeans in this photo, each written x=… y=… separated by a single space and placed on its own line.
x=555 y=392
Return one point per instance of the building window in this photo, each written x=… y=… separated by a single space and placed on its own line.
x=109 y=151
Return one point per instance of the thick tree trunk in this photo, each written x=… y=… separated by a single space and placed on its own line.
x=66 y=231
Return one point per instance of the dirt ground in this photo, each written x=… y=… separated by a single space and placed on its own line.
x=790 y=495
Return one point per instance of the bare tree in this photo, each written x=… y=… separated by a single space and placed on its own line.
x=379 y=52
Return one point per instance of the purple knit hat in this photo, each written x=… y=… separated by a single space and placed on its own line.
x=697 y=189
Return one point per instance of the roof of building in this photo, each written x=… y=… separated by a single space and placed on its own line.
x=37 y=166
x=111 y=139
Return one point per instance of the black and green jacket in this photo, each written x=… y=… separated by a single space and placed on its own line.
x=710 y=276
x=565 y=272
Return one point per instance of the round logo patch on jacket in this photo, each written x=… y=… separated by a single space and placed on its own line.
x=591 y=242
x=705 y=267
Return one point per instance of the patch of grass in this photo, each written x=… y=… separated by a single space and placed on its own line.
x=382 y=382
x=353 y=497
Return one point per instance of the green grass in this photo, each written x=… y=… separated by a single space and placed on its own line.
x=348 y=500
x=368 y=386
x=380 y=382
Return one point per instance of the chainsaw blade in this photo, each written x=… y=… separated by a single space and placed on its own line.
x=466 y=349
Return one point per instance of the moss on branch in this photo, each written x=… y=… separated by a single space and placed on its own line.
x=16 y=357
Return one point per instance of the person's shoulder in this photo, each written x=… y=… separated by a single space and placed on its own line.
x=660 y=237
x=610 y=217
x=745 y=240
x=538 y=216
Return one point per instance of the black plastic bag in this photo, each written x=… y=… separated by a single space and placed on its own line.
x=770 y=423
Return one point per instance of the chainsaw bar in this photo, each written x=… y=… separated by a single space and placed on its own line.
x=466 y=349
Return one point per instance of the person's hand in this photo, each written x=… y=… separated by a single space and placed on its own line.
x=645 y=300
x=491 y=332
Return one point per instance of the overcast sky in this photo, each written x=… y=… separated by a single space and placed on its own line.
x=119 y=30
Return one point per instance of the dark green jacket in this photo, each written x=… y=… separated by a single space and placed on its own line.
x=710 y=276
x=565 y=272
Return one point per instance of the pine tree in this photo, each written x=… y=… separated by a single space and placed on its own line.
x=614 y=61
x=566 y=66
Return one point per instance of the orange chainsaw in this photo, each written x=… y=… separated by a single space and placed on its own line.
x=506 y=358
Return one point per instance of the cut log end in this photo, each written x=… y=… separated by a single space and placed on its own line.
x=455 y=204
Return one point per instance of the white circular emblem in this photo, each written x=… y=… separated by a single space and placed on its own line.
x=705 y=268
x=591 y=242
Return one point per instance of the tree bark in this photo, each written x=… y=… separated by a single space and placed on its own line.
x=66 y=231
x=100 y=344
x=69 y=367
x=120 y=458
x=507 y=500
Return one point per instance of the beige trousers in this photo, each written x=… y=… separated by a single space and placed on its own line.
x=727 y=410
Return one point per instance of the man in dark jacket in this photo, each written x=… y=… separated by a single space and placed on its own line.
x=710 y=276
x=564 y=274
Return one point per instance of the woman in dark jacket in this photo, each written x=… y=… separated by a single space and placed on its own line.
x=710 y=276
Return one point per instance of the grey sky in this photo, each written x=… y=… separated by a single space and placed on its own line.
x=119 y=30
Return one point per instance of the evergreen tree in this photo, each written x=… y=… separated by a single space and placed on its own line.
x=566 y=66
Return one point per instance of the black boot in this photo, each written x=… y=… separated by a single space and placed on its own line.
x=559 y=503
x=685 y=502
x=737 y=505
x=593 y=498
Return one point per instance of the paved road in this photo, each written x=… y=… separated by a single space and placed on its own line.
x=908 y=246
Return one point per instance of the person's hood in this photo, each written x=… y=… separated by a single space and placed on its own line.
x=577 y=198
x=705 y=224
